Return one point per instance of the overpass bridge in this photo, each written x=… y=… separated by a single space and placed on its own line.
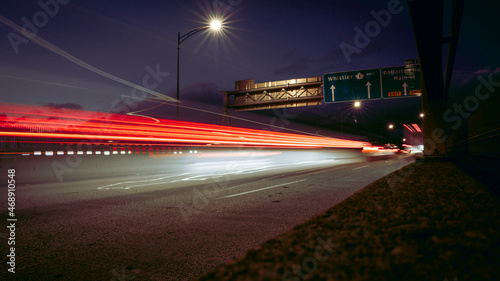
x=249 y=95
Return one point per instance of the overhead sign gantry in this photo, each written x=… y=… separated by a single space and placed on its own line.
x=367 y=84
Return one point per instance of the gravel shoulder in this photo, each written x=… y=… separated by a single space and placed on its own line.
x=427 y=221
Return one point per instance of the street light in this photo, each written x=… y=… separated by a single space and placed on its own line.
x=389 y=127
x=214 y=25
x=356 y=105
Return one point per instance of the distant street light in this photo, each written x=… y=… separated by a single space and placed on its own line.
x=389 y=127
x=214 y=25
x=421 y=115
x=357 y=104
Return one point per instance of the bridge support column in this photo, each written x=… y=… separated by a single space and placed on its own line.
x=434 y=126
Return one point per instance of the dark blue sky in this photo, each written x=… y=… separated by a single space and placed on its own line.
x=264 y=40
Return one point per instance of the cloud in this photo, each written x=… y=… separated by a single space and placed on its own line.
x=202 y=92
x=296 y=64
x=462 y=76
x=67 y=105
x=301 y=65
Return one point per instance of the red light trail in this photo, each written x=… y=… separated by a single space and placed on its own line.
x=27 y=123
x=417 y=128
x=409 y=128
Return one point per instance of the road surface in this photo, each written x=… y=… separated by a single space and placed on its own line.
x=131 y=217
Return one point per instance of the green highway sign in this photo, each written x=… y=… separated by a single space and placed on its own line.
x=388 y=82
x=401 y=81
x=352 y=85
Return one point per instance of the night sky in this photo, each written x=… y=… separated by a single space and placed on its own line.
x=136 y=41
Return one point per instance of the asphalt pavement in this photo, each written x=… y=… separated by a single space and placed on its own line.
x=128 y=217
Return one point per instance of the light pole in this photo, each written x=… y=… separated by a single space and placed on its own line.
x=356 y=105
x=214 y=25
x=390 y=126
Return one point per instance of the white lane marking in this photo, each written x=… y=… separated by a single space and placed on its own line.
x=140 y=183
x=243 y=170
x=260 y=189
x=361 y=167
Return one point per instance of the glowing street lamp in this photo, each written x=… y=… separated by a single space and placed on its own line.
x=421 y=115
x=215 y=25
x=357 y=104
x=391 y=126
